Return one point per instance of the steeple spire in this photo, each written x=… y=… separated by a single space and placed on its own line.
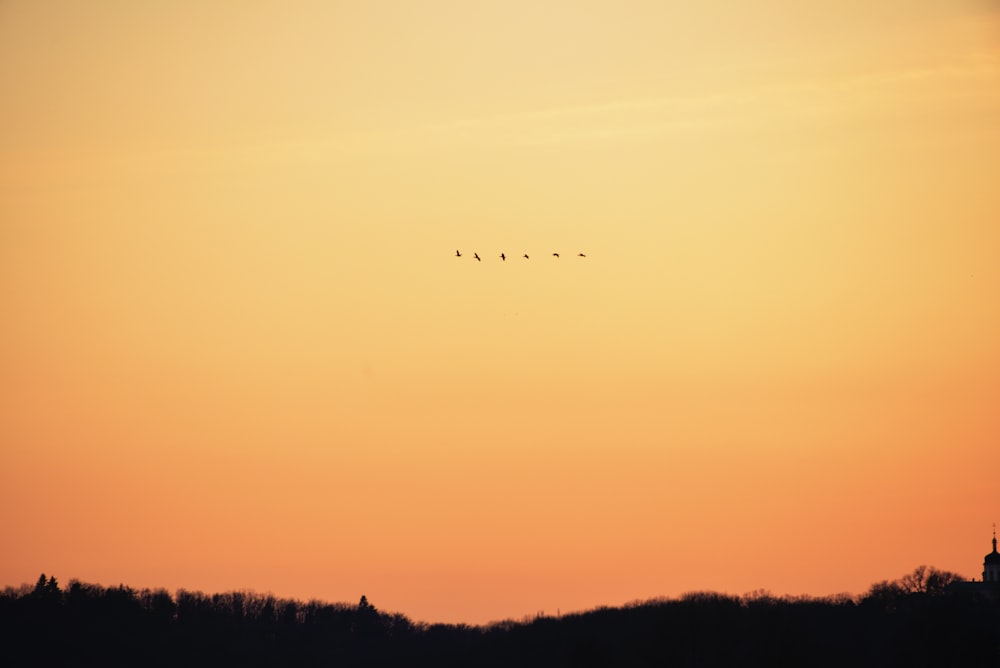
x=991 y=563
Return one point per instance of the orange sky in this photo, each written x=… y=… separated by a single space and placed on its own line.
x=237 y=351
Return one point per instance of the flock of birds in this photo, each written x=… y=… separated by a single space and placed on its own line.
x=503 y=256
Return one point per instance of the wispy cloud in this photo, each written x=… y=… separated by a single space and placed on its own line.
x=973 y=83
x=967 y=83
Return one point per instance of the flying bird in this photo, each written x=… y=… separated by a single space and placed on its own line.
x=476 y=255
x=580 y=255
x=526 y=256
x=555 y=254
x=503 y=257
x=457 y=254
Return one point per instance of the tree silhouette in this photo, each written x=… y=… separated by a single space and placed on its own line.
x=47 y=588
x=913 y=621
x=928 y=580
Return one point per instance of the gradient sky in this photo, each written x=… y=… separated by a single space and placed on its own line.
x=237 y=351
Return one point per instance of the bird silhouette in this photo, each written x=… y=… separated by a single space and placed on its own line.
x=503 y=257
x=555 y=254
x=526 y=256
x=457 y=254
x=580 y=255
x=476 y=255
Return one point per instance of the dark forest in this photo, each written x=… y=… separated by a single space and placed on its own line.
x=926 y=618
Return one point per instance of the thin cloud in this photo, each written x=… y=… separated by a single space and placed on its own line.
x=971 y=82
x=968 y=83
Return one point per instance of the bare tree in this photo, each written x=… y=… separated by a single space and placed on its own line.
x=927 y=580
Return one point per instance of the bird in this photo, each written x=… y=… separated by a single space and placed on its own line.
x=503 y=257
x=476 y=255
x=580 y=255
x=555 y=254
x=526 y=256
x=457 y=254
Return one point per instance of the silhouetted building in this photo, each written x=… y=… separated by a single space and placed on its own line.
x=989 y=586
x=991 y=563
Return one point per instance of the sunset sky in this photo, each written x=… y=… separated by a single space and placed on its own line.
x=237 y=350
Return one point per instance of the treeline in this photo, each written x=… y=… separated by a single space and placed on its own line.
x=918 y=620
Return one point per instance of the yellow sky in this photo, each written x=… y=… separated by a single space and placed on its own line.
x=237 y=349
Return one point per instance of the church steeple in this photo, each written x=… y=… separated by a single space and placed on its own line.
x=991 y=564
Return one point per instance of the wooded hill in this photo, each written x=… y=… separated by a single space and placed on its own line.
x=918 y=620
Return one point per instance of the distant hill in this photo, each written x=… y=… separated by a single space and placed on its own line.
x=918 y=620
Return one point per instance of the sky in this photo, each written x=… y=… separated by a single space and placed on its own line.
x=238 y=350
